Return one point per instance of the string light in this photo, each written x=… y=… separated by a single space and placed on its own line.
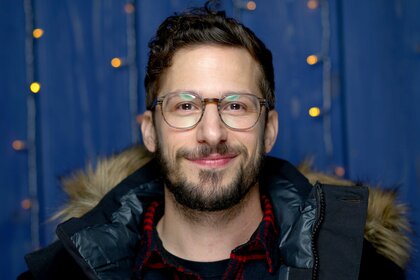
x=35 y=87
x=312 y=4
x=130 y=62
x=18 y=145
x=312 y=59
x=251 y=5
x=37 y=33
x=26 y=204
x=314 y=112
x=32 y=204
x=116 y=62
x=129 y=8
x=339 y=171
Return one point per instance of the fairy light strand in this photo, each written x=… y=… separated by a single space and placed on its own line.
x=326 y=82
x=132 y=70
x=31 y=125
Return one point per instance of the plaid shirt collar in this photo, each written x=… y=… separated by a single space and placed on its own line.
x=261 y=246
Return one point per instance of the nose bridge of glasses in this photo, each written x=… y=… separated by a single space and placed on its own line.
x=206 y=101
x=214 y=101
x=213 y=112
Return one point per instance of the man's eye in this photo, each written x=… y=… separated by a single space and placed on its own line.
x=235 y=106
x=186 y=107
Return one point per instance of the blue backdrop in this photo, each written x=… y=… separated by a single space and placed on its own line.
x=366 y=84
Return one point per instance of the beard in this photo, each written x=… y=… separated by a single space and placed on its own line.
x=210 y=194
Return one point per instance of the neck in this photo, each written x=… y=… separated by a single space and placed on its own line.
x=208 y=236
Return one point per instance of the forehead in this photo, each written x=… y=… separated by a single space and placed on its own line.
x=211 y=71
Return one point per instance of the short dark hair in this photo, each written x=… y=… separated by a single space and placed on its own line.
x=204 y=26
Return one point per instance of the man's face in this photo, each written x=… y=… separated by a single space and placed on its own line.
x=210 y=167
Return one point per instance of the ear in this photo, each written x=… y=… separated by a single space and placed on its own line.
x=271 y=129
x=148 y=131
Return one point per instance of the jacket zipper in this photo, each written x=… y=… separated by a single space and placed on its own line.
x=320 y=219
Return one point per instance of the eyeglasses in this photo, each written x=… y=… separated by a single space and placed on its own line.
x=184 y=110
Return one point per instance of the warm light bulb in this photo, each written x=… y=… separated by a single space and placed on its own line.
x=129 y=8
x=312 y=59
x=314 y=112
x=339 y=171
x=251 y=5
x=37 y=33
x=312 y=4
x=35 y=87
x=26 y=204
x=116 y=62
x=18 y=145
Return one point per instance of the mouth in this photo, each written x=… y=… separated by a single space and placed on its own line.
x=213 y=160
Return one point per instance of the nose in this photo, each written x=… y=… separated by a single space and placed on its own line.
x=210 y=129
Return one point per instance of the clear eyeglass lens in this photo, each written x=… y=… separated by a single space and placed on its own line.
x=184 y=110
x=240 y=111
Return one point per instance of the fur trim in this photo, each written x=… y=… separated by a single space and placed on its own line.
x=85 y=188
x=386 y=228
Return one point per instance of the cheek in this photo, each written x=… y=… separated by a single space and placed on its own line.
x=258 y=142
x=252 y=140
x=170 y=141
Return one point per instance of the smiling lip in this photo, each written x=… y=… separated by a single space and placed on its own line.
x=214 y=160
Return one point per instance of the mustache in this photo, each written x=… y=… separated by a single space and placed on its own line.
x=206 y=150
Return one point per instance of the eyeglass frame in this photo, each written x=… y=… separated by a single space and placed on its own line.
x=204 y=101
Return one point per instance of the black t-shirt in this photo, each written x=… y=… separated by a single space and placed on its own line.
x=207 y=270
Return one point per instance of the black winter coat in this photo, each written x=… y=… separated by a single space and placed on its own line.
x=322 y=231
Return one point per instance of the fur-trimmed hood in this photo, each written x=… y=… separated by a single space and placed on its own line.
x=386 y=227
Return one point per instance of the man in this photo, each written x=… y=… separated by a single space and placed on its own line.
x=212 y=205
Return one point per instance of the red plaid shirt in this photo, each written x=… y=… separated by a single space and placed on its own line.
x=257 y=259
